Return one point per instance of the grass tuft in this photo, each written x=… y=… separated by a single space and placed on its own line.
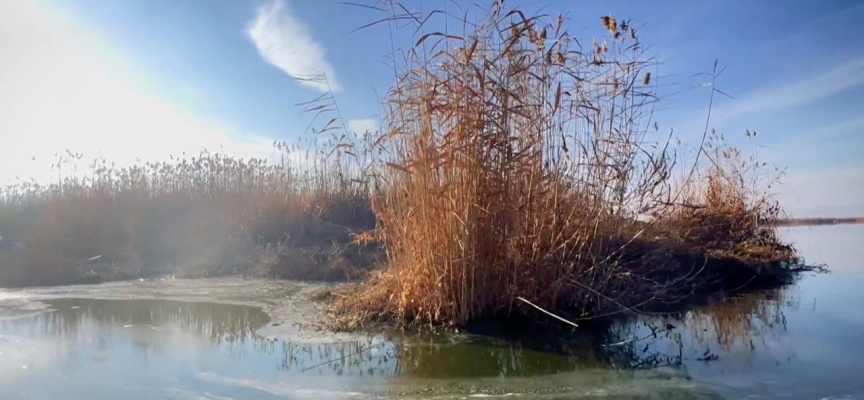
x=518 y=167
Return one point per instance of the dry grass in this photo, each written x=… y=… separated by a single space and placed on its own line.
x=207 y=215
x=514 y=163
x=728 y=210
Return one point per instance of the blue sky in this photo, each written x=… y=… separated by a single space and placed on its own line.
x=147 y=78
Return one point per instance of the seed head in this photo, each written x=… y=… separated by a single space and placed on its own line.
x=609 y=23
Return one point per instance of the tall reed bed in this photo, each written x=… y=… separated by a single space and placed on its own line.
x=211 y=214
x=518 y=163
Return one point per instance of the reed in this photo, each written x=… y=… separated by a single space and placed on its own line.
x=516 y=162
x=194 y=217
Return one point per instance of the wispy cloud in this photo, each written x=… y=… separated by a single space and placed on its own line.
x=361 y=126
x=62 y=92
x=831 y=144
x=286 y=42
x=838 y=79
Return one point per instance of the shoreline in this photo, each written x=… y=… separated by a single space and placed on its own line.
x=820 y=221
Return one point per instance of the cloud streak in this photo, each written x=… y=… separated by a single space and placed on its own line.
x=837 y=79
x=841 y=78
x=286 y=42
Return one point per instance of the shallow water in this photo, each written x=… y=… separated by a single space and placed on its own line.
x=246 y=339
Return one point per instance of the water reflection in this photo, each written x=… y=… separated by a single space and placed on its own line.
x=739 y=323
x=797 y=341
x=371 y=356
x=405 y=355
x=736 y=324
x=217 y=322
x=479 y=358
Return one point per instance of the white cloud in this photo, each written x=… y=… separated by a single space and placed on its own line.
x=60 y=91
x=360 y=126
x=287 y=43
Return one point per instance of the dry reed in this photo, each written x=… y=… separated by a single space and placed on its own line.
x=196 y=217
x=515 y=163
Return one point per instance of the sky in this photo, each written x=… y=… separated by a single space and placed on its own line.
x=144 y=79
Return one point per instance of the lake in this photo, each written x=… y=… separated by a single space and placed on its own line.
x=252 y=339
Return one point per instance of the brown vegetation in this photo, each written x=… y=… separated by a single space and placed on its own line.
x=209 y=215
x=518 y=164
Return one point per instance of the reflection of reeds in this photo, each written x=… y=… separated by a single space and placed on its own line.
x=364 y=357
x=480 y=360
x=735 y=322
x=216 y=322
x=731 y=322
x=516 y=163
x=411 y=356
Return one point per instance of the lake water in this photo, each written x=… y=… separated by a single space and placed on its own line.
x=244 y=339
